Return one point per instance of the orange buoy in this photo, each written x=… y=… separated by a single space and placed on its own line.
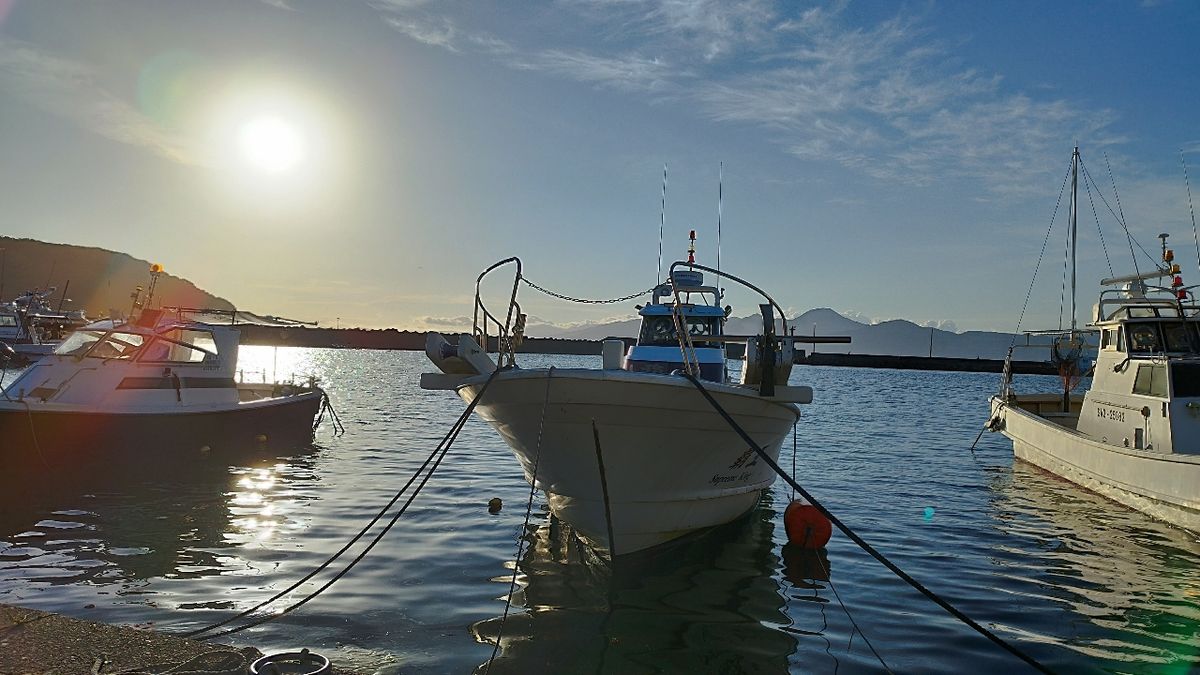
x=806 y=526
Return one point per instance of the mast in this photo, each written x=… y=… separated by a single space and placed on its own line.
x=1074 y=227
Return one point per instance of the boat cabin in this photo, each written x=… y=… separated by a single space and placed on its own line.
x=155 y=362
x=1145 y=390
x=658 y=349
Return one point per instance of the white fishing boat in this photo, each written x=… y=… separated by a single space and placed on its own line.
x=1134 y=435
x=155 y=391
x=632 y=455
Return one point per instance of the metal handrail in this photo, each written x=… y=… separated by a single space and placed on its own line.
x=505 y=345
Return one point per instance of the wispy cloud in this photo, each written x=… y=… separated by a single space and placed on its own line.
x=888 y=100
x=439 y=32
x=68 y=89
x=629 y=72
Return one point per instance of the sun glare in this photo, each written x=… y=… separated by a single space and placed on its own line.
x=277 y=150
x=271 y=144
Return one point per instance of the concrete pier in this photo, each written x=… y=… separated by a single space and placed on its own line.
x=33 y=642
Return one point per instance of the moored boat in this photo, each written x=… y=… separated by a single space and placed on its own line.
x=152 y=392
x=1134 y=435
x=632 y=455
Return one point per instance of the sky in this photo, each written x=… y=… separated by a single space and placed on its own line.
x=358 y=163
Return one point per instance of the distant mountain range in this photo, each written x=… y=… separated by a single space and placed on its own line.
x=99 y=280
x=897 y=337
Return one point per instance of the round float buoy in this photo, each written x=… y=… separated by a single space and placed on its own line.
x=806 y=526
x=494 y=505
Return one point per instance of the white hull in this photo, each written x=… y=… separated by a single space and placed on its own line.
x=672 y=464
x=1165 y=486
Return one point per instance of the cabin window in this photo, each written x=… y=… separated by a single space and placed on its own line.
x=1151 y=380
x=660 y=330
x=8 y=321
x=1180 y=337
x=182 y=345
x=1106 y=339
x=117 y=346
x=1185 y=380
x=1143 y=337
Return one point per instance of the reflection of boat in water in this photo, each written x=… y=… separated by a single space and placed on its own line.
x=632 y=451
x=1134 y=436
x=1112 y=585
x=178 y=527
x=155 y=392
x=713 y=604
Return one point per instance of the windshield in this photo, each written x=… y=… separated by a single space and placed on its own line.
x=79 y=342
x=8 y=321
x=117 y=346
x=98 y=345
x=182 y=345
x=660 y=330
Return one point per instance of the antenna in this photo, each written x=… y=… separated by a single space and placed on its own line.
x=662 y=221
x=1190 y=209
x=720 y=199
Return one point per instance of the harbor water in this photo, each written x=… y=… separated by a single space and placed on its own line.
x=1076 y=581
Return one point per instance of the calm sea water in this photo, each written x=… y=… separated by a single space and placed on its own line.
x=1078 y=582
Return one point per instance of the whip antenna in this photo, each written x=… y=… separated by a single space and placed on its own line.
x=662 y=220
x=720 y=199
x=1190 y=209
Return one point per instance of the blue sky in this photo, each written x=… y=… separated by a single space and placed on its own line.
x=887 y=160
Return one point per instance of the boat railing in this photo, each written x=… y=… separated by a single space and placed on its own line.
x=1113 y=298
x=485 y=325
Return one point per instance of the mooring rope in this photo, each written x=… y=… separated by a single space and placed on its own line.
x=862 y=543
x=338 y=428
x=439 y=452
x=586 y=301
x=512 y=584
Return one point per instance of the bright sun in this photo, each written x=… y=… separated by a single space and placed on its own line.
x=271 y=144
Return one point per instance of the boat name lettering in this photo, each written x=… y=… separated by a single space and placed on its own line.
x=718 y=478
x=1110 y=414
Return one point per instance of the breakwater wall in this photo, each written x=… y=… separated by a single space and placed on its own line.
x=361 y=338
x=925 y=363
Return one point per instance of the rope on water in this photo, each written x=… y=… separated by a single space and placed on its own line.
x=434 y=457
x=862 y=543
x=586 y=301
x=829 y=580
x=512 y=584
